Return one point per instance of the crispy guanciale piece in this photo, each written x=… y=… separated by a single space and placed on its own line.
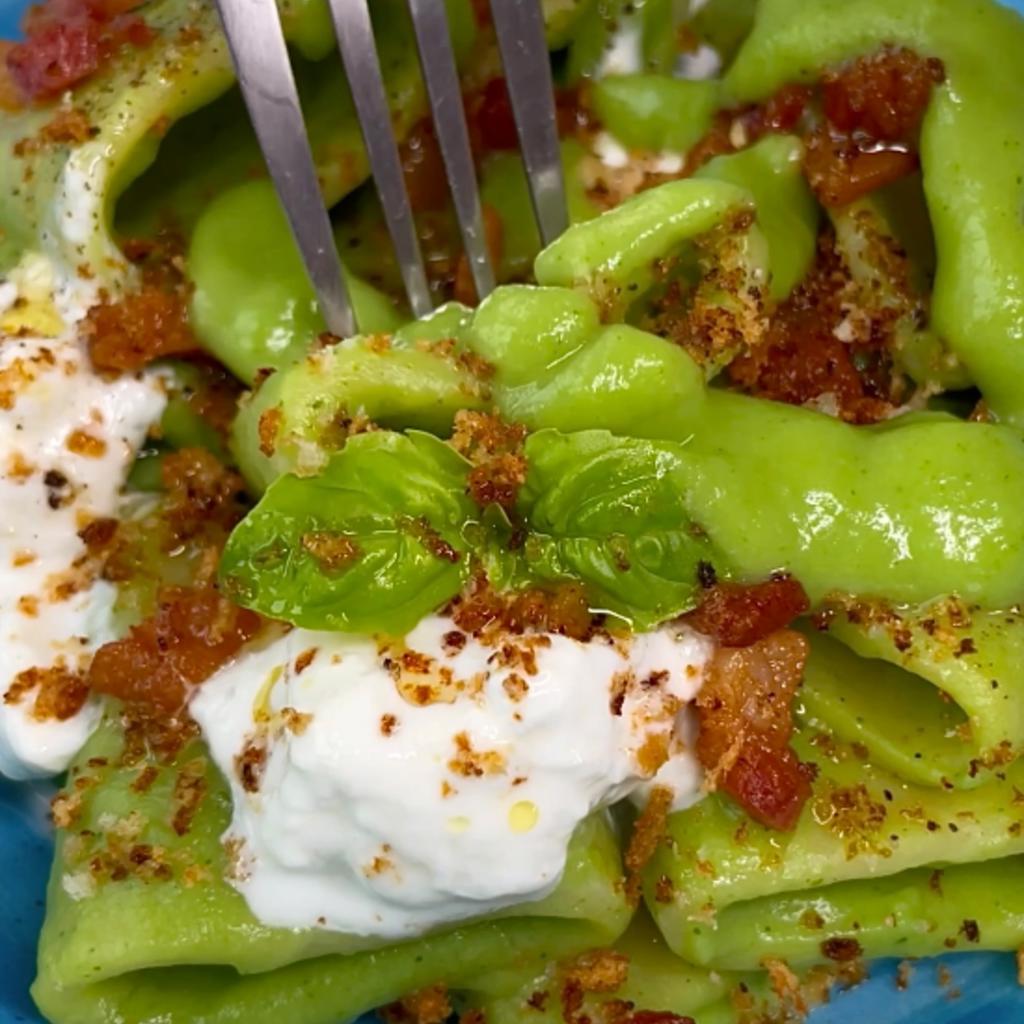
x=745 y=717
x=873 y=109
x=68 y=41
x=190 y=635
x=738 y=615
x=740 y=127
x=882 y=96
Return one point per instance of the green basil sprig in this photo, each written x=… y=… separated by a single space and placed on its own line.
x=371 y=544
x=387 y=533
x=610 y=512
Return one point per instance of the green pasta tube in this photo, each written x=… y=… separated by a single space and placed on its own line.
x=132 y=103
x=954 y=673
x=655 y=979
x=725 y=891
x=299 y=416
x=656 y=112
x=253 y=305
x=614 y=258
x=787 y=214
x=503 y=187
x=971 y=155
x=142 y=926
x=840 y=485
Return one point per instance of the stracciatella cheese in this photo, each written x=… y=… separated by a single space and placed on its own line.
x=67 y=439
x=384 y=790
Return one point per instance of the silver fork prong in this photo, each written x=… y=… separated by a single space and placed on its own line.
x=524 y=53
x=358 y=48
x=260 y=56
x=437 y=59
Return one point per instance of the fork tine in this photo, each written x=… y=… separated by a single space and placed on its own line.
x=258 y=50
x=437 y=59
x=358 y=49
x=524 y=53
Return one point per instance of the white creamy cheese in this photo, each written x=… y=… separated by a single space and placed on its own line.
x=613 y=154
x=384 y=791
x=67 y=440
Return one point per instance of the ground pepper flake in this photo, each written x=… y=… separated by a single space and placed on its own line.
x=188 y=794
x=842 y=950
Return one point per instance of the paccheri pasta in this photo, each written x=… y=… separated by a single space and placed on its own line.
x=641 y=643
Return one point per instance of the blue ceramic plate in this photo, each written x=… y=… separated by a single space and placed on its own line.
x=983 y=990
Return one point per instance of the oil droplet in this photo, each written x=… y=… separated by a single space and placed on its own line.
x=261 y=702
x=522 y=816
x=458 y=824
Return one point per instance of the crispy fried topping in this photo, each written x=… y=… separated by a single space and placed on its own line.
x=873 y=108
x=474 y=764
x=250 y=764
x=830 y=347
x=738 y=615
x=124 y=334
x=189 y=792
x=853 y=815
x=744 y=711
x=427 y=1006
x=841 y=949
x=648 y=830
x=69 y=126
x=496 y=450
x=490 y=615
x=332 y=551
x=60 y=693
x=192 y=633
x=202 y=496
x=269 y=428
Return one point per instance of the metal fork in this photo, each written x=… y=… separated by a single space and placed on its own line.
x=260 y=56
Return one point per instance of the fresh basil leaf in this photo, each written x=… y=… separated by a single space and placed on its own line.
x=611 y=513
x=372 y=544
